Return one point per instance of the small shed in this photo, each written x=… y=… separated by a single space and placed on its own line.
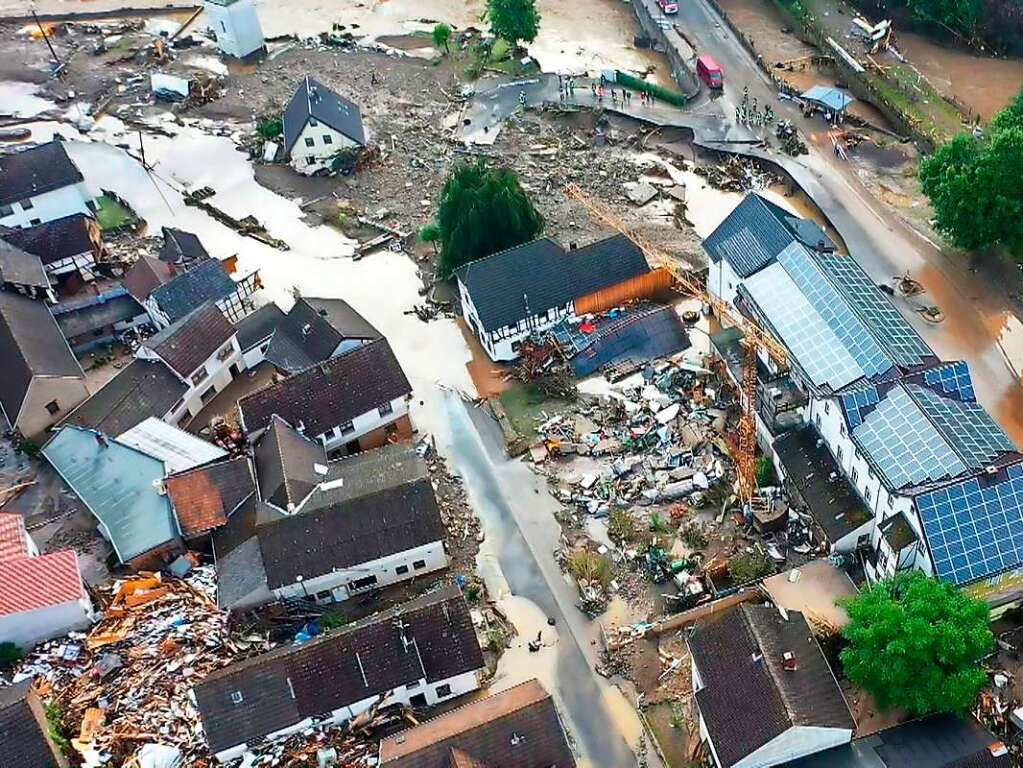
x=831 y=99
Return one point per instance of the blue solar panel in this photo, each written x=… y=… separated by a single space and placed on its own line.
x=974 y=532
x=904 y=444
x=854 y=404
x=953 y=379
x=890 y=328
x=967 y=426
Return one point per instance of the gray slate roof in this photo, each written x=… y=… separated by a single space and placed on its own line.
x=31 y=344
x=313 y=99
x=21 y=268
x=97 y=317
x=258 y=326
x=206 y=281
x=285 y=465
x=34 y=171
x=330 y=393
x=180 y=246
x=756 y=231
x=23 y=729
x=142 y=389
x=313 y=330
x=187 y=343
x=364 y=659
x=369 y=472
x=54 y=240
x=747 y=701
x=541 y=275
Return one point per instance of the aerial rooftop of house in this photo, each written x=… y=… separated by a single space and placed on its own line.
x=517 y=728
x=313 y=99
x=330 y=393
x=181 y=247
x=30 y=172
x=177 y=449
x=289 y=465
x=245 y=701
x=256 y=327
x=142 y=389
x=20 y=267
x=836 y=323
x=748 y=697
x=186 y=292
x=315 y=330
x=146 y=275
x=540 y=275
x=187 y=343
x=55 y=240
x=205 y=497
x=24 y=729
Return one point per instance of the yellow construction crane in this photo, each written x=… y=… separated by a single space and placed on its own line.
x=754 y=337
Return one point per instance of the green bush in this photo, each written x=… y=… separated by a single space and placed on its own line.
x=589 y=566
x=53 y=715
x=333 y=620
x=10 y=654
x=658 y=91
x=764 y=471
x=620 y=526
x=270 y=129
x=745 y=567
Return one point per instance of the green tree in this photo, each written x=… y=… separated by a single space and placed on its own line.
x=959 y=16
x=973 y=185
x=441 y=37
x=430 y=233
x=514 y=20
x=482 y=210
x=916 y=643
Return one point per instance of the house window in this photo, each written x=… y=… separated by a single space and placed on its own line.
x=183 y=421
x=26 y=205
x=52 y=407
x=412 y=686
x=208 y=395
x=236 y=697
x=309 y=141
x=817 y=421
x=838 y=456
x=35 y=222
x=225 y=353
x=401 y=570
x=363 y=583
x=177 y=405
x=867 y=493
x=324 y=595
x=347 y=428
x=385 y=409
x=419 y=564
x=199 y=376
x=6 y=210
x=328 y=139
x=827 y=406
x=312 y=122
x=443 y=691
x=223 y=27
x=854 y=475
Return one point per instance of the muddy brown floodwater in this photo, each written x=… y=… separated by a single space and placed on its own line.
x=982 y=83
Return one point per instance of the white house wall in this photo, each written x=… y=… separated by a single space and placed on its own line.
x=384 y=568
x=219 y=376
x=796 y=742
x=236 y=28
x=722 y=281
x=49 y=206
x=363 y=425
x=309 y=159
x=27 y=628
x=257 y=354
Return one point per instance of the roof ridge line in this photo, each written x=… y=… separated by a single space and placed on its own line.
x=917 y=402
x=768 y=668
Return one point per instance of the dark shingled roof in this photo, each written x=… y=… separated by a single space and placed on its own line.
x=313 y=330
x=349 y=533
x=756 y=231
x=258 y=326
x=542 y=275
x=369 y=472
x=54 y=240
x=31 y=344
x=23 y=730
x=30 y=172
x=180 y=246
x=364 y=659
x=203 y=498
x=204 y=282
x=938 y=741
x=146 y=275
x=99 y=316
x=21 y=268
x=316 y=100
x=285 y=465
x=517 y=728
x=330 y=393
x=185 y=344
x=142 y=389
x=748 y=699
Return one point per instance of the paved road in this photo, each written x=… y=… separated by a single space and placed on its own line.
x=517 y=513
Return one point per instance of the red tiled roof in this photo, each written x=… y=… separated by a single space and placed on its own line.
x=12 y=537
x=204 y=497
x=36 y=582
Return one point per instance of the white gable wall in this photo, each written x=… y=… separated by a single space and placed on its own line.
x=49 y=206
x=236 y=28
x=27 y=628
x=325 y=143
x=798 y=741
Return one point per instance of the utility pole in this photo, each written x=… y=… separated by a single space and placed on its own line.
x=49 y=45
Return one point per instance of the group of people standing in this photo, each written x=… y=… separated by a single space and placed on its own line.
x=749 y=114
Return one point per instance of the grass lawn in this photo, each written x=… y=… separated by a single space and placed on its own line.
x=525 y=404
x=111 y=214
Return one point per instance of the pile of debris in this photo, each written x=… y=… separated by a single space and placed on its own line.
x=124 y=686
x=736 y=174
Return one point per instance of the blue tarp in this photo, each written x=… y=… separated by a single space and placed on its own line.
x=829 y=98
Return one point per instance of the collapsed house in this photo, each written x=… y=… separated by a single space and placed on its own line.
x=517 y=728
x=932 y=482
x=533 y=287
x=417 y=654
x=763 y=689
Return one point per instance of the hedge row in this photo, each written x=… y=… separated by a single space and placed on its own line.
x=658 y=91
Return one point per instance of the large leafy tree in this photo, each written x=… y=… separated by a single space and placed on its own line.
x=960 y=16
x=514 y=20
x=974 y=185
x=483 y=210
x=916 y=643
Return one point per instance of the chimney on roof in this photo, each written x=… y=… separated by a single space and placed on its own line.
x=101 y=440
x=991 y=469
x=821 y=247
x=314 y=94
x=757 y=657
x=306 y=329
x=517 y=738
x=788 y=661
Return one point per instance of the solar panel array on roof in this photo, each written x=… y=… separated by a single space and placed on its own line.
x=903 y=443
x=972 y=531
x=953 y=379
x=855 y=402
x=895 y=334
x=967 y=426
